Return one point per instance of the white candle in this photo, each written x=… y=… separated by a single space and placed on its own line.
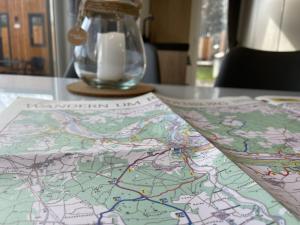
x=111 y=56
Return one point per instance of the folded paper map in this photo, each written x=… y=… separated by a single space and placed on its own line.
x=262 y=139
x=123 y=162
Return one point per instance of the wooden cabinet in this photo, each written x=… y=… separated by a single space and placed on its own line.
x=172 y=66
x=25 y=45
x=171 y=22
x=171 y=27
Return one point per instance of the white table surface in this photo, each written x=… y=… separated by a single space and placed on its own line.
x=12 y=86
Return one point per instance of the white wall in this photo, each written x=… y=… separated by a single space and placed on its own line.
x=290 y=38
x=61 y=21
x=270 y=25
x=145 y=9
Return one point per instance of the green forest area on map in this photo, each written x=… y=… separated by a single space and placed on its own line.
x=141 y=161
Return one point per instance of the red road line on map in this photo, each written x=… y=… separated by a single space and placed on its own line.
x=136 y=161
x=187 y=182
x=150 y=156
x=132 y=164
x=186 y=160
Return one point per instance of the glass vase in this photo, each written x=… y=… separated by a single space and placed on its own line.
x=113 y=55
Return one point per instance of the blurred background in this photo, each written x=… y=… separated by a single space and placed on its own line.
x=190 y=36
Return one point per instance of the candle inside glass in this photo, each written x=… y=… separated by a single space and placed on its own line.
x=111 y=58
x=113 y=55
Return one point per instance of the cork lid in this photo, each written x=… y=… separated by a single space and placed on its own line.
x=112 y=6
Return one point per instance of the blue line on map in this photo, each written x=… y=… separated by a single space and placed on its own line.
x=184 y=212
x=143 y=199
x=115 y=205
x=246 y=146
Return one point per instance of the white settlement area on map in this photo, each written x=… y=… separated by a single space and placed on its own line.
x=126 y=162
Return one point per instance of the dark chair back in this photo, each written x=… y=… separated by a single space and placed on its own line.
x=152 y=74
x=38 y=63
x=255 y=69
x=70 y=71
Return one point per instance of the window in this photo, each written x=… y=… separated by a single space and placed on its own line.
x=37 y=30
x=25 y=45
x=212 y=40
x=5 y=52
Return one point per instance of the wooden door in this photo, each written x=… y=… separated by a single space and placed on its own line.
x=24 y=37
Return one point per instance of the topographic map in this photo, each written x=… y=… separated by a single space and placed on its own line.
x=127 y=162
x=262 y=139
